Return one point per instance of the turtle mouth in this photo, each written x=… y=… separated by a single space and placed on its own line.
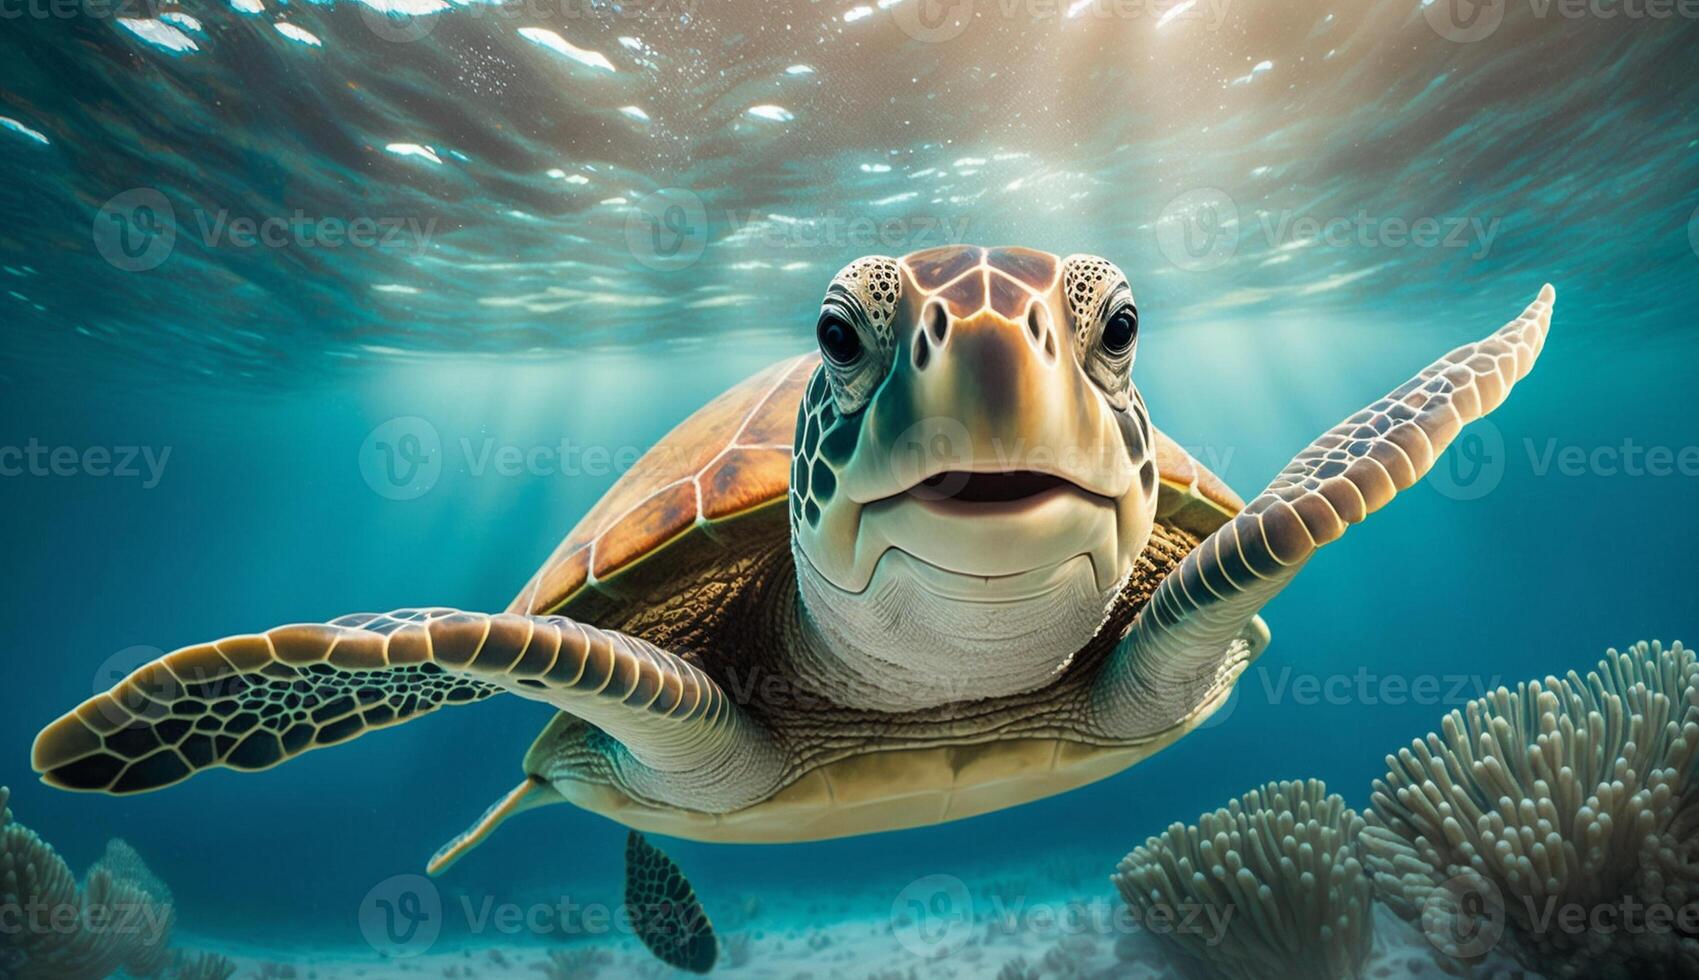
x=990 y=493
x=965 y=487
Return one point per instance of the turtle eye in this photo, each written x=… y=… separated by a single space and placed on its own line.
x=839 y=340
x=1121 y=330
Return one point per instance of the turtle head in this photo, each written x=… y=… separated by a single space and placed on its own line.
x=974 y=473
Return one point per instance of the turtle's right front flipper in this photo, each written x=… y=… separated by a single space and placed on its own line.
x=1200 y=628
x=253 y=702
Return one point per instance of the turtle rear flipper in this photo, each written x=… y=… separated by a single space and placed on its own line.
x=253 y=702
x=1200 y=630
x=664 y=909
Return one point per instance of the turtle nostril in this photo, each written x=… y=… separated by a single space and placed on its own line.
x=922 y=352
x=1035 y=321
x=937 y=323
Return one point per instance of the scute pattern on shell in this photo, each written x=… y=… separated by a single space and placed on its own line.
x=733 y=455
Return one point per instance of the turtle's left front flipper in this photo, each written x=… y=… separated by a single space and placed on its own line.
x=1200 y=628
x=253 y=702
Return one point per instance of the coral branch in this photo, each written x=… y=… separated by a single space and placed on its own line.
x=1278 y=869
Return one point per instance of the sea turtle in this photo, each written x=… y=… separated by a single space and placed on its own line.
x=941 y=566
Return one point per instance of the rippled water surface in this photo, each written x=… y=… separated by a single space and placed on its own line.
x=242 y=237
x=504 y=148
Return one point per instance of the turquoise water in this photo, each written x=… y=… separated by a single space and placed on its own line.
x=583 y=234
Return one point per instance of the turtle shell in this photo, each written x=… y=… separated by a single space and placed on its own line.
x=732 y=457
x=730 y=461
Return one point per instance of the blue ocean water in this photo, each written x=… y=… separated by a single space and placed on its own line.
x=577 y=223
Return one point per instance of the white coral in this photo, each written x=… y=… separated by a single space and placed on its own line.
x=61 y=932
x=1561 y=798
x=1278 y=869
